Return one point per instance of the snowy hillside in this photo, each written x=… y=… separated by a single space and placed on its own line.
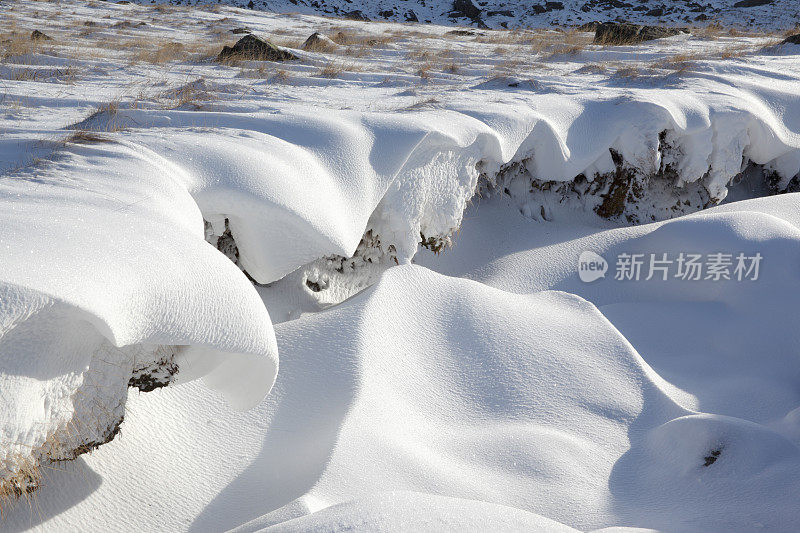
x=524 y=14
x=397 y=277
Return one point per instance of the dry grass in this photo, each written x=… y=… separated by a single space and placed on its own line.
x=452 y=68
x=565 y=50
x=347 y=37
x=66 y=75
x=505 y=37
x=424 y=71
x=16 y=43
x=22 y=481
x=593 y=68
x=509 y=66
x=86 y=137
x=628 y=72
x=422 y=103
x=146 y=51
x=103 y=119
x=334 y=69
x=280 y=76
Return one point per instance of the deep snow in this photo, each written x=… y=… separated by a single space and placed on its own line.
x=485 y=386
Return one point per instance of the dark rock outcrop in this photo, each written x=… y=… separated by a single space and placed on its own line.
x=466 y=9
x=792 y=39
x=356 y=14
x=252 y=47
x=39 y=36
x=752 y=3
x=623 y=33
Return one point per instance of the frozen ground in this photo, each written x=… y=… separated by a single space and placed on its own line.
x=398 y=217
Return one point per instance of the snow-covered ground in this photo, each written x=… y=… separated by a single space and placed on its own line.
x=538 y=13
x=377 y=256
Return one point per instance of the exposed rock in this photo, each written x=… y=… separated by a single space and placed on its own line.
x=623 y=33
x=466 y=9
x=39 y=36
x=252 y=47
x=411 y=16
x=792 y=39
x=461 y=33
x=356 y=14
x=752 y=3
x=503 y=12
x=553 y=6
x=386 y=13
x=656 y=12
x=238 y=31
x=317 y=41
x=589 y=26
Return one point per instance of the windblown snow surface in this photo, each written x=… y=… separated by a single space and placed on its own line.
x=404 y=236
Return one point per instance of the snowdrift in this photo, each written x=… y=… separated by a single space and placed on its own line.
x=473 y=398
x=106 y=278
x=346 y=194
x=146 y=246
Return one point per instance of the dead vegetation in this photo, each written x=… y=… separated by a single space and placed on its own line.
x=145 y=51
x=334 y=69
x=86 y=137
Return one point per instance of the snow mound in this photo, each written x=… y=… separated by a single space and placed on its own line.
x=452 y=389
x=412 y=511
x=106 y=275
x=419 y=383
x=346 y=194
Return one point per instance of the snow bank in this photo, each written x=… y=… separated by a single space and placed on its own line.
x=452 y=389
x=107 y=273
x=295 y=187
x=528 y=389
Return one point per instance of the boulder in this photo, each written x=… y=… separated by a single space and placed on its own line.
x=252 y=47
x=317 y=41
x=623 y=33
x=792 y=39
x=356 y=14
x=39 y=36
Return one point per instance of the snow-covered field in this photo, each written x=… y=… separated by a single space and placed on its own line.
x=484 y=280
